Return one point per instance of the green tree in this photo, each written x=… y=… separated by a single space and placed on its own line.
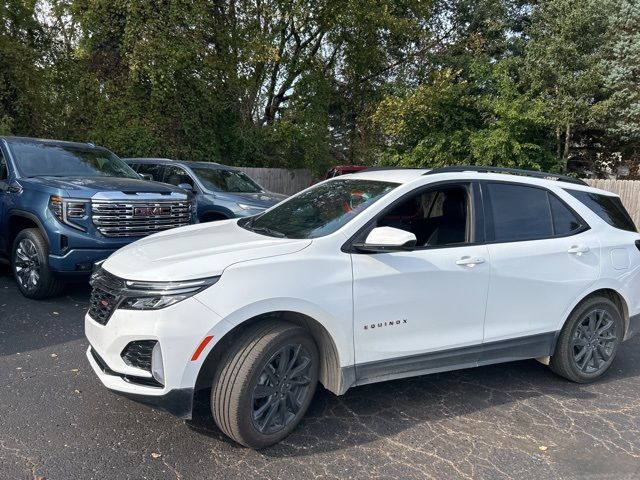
x=563 y=65
x=623 y=68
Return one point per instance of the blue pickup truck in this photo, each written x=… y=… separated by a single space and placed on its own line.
x=65 y=206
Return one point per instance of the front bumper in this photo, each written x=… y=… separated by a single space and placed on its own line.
x=178 y=402
x=77 y=260
x=179 y=329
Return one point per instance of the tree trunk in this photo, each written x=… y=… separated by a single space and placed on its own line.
x=567 y=143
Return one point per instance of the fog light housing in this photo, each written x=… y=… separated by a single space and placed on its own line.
x=157 y=367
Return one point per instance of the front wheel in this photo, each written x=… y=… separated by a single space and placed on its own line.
x=589 y=341
x=265 y=383
x=29 y=264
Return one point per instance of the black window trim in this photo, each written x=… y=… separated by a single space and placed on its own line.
x=476 y=215
x=584 y=226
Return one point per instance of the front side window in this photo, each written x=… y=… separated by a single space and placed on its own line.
x=320 y=210
x=437 y=217
x=223 y=180
x=520 y=212
x=155 y=170
x=39 y=159
x=174 y=175
x=608 y=208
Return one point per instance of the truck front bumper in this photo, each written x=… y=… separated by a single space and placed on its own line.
x=78 y=261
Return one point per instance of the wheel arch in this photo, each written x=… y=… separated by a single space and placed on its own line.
x=603 y=291
x=331 y=375
x=19 y=220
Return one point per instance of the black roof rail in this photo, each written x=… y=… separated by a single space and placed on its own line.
x=510 y=171
x=390 y=167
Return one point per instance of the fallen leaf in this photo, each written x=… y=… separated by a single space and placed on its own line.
x=542 y=448
x=155 y=455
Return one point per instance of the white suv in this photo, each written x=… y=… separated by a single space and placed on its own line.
x=373 y=276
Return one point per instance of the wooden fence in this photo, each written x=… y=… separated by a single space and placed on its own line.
x=280 y=180
x=292 y=181
x=628 y=190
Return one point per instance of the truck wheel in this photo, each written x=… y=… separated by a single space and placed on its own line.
x=30 y=268
x=588 y=341
x=265 y=383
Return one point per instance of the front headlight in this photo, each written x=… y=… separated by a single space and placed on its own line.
x=244 y=206
x=157 y=295
x=67 y=209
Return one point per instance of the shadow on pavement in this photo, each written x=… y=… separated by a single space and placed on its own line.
x=368 y=413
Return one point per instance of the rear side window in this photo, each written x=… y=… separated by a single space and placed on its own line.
x=520 y=212
x=564 y=220
x=608 y=208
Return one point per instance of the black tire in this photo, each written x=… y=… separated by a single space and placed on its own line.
x=245 y=371
x=29 y=263
x=582 y=354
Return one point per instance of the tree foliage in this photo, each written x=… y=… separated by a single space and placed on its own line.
x=550 y=84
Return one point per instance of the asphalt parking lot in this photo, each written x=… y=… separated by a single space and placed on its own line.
x=508 y=421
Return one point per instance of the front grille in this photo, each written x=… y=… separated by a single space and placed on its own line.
x=105 y=296
x=138 y=354
x=138 y=219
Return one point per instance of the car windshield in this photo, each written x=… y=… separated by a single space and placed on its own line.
x=223 y=180
x=320 y=210
x=36 y=159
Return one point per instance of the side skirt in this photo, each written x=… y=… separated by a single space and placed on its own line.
x=521 y=348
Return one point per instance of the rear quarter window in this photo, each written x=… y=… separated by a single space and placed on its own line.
x=608 y=208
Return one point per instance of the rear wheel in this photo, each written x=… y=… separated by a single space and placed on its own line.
x=30 y=268
x=265 y=383
x=589 y=341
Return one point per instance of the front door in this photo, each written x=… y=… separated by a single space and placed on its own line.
x=423 y=310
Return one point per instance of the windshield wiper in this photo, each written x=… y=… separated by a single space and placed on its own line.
x=269 y=231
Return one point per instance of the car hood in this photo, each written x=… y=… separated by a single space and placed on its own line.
x=196 y=251
x=86 y=187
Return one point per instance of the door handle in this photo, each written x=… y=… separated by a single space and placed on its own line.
x=469 y=261
x=578 y=249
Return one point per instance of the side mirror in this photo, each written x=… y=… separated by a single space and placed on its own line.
x=388 y=239
x=186 y=186
x=146 y=176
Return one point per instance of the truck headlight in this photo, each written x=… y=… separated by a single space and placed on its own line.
x=68 y=209
x=157 y=295
x=244 y=206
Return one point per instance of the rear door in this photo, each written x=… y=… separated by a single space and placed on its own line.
x=542 y=255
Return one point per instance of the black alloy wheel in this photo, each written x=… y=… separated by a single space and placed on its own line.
x=589 y=340
x=281 y=389
x=265 y=382
x=594 y=341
